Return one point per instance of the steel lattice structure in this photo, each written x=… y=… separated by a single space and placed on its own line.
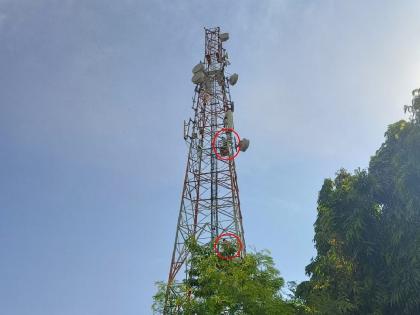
x=210 y=202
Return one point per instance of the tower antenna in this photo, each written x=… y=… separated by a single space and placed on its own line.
x=210 y=206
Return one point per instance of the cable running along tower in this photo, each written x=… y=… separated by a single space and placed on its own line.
x=210 y=207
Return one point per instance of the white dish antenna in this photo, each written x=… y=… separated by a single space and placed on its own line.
x=224 y=37
x=233 y=79
x=198 y=67
x=243 y=144
x=198 y=77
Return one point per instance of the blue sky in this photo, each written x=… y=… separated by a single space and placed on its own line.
x=93 y=95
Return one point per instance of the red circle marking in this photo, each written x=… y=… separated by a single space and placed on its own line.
x=238 y=241
x=213 y=144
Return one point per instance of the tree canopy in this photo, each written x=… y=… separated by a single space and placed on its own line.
x=367 y=233
x=249 y=285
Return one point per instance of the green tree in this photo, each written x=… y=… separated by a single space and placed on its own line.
x=345 y=243
x=249 y=285
x=367 y=233
x=395 y=172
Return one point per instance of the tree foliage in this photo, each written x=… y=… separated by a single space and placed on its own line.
x=367 y=234
x=249 y=285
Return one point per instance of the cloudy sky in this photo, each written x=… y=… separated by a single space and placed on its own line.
x=93 y=95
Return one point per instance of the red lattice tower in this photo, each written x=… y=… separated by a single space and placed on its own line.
x=210 y=197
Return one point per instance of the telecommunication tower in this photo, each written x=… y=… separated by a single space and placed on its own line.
x=210 y=204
